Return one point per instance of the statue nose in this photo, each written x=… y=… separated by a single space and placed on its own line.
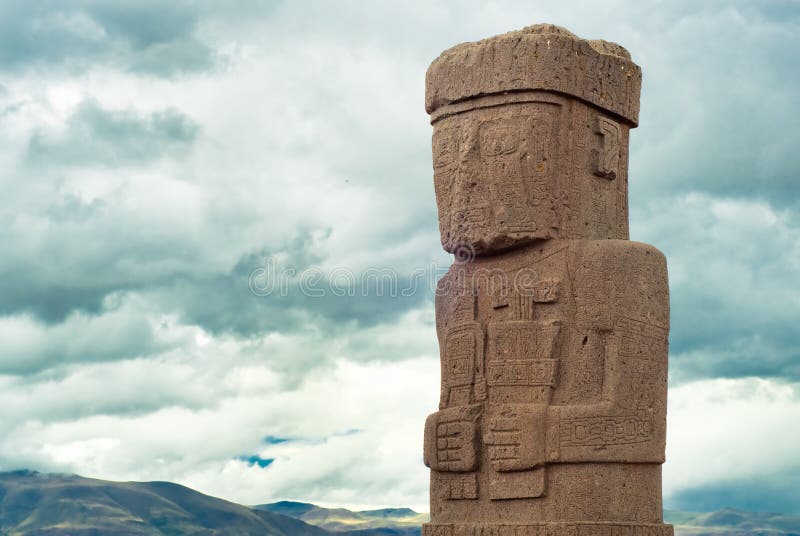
x=464 y=189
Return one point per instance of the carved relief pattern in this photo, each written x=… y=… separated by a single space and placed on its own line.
x=454 y=442
x=522 y=372
x=451 y=440
x=548 y=529
x=493 y=177
x=458 y=487
x=604 y=431
x=553 y=386
x=607 y=156
x=498 y=344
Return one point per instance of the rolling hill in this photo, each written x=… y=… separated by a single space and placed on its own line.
x=398 y=521
x=730 y=521
x=405 y=522
x=37 y=504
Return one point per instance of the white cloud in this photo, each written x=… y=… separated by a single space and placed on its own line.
x=723 y=430
x=356 y=429
x=126 y=329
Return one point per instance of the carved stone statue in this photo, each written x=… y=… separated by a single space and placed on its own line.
x=552 y=325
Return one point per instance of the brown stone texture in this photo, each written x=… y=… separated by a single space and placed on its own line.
x=552 y=325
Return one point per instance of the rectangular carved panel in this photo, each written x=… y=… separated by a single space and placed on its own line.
x=606 y=158
x=462 y=365
x=523 y=340
x=517 y=485
x=605 y=431
x=514 y=436
x=455 y=487
x=522 y=372
x=451 y=440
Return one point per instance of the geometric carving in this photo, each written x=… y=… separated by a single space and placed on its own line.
x=640 y=339
x=445 y=145
x=499 y=138
x=514 y=437
x=604 y=431
x=458 y=486
x=522 y=307
x=462 y=365
x=451 y=440
x=606 y=159
x=522 y=372
x=499 y=141
x=524 y=340
x=460 y=351
x=546 y=291
x=643 y=346
x=631 y=325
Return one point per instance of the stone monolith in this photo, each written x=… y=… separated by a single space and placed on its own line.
x=552 y=325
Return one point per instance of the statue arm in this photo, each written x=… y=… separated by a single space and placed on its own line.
x=628 y=422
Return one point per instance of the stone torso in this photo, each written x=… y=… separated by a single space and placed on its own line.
x=550 y=355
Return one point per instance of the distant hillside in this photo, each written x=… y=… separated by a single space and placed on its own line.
x=405 y=522
x=35 y=504
x=387 y=521
x=734 y=523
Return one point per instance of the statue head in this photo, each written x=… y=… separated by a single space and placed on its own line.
x=530 y=139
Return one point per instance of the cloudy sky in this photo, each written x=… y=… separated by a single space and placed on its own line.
x=180 y=179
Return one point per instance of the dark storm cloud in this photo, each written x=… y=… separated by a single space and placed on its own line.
x=734 y=299
x=94 y=135
x=719 y=83
x=50 y=303
x=172 y=278
x=30 y=348
x=147 y=36
x=713 y=336
x=91 y=250
x=56 y=279
x=252 y=300
x=772 y=492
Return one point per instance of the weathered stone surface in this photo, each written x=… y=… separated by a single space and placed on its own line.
x=542 y=56
x=552 y=326
x=522 y=124
x=510 y=169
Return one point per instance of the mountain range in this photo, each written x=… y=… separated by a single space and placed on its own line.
x=397 y=521
x=39 y=504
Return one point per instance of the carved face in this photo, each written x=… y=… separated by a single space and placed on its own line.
x=493 y=169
